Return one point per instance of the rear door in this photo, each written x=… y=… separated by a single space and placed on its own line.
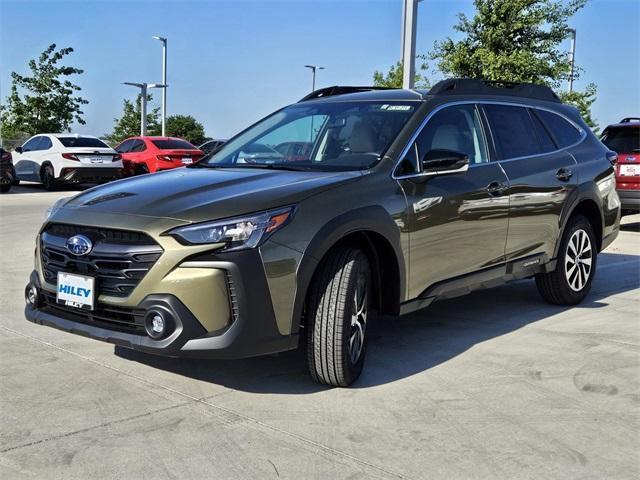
x=541 y=178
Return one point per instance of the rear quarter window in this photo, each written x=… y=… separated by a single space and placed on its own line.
x=564 y=133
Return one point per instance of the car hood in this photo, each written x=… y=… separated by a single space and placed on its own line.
x=201 y=194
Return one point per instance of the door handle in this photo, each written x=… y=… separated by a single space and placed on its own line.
x=564 y=174
x=496 y=188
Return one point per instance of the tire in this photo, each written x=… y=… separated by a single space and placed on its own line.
x=5 y=187
x=48 y=179
x=338 y=311
x=570 y=282
x=16 y=181
x=141 y=170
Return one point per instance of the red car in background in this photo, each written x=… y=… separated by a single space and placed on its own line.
x=624 y=139
x=153 y=154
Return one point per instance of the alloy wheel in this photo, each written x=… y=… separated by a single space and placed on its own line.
x=578 y=257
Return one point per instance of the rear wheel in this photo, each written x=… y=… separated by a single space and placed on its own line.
x=571 y=280
x=48 y=178
x=338 y=313
x=5 y=187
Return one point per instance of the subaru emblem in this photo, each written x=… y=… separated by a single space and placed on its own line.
x=79 y=245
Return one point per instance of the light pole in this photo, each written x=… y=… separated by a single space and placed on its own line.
x=164 y=82
x=572 y=32
x=313 y=69
x=143 y=102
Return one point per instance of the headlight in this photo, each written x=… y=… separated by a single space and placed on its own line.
x=54 y=208
x=236 y=233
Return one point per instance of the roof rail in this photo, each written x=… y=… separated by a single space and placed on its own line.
x=630 y=119
x=339 y=90
x=477 y=86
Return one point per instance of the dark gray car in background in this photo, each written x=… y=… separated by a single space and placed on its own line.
x=404 y=197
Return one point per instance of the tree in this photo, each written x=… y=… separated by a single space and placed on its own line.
x=515 y=41
x=45 y=101
x=128 y=125
x=393 y=78
x=185 y=126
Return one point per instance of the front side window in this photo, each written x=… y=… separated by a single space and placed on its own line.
x=31 y=144
x=456 y=128
x=318 y=136
x=513 y=131
x=125 y=146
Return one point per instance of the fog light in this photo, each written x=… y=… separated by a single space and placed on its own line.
x=31 y=296
x=155 y=325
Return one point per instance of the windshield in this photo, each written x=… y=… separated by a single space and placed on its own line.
x=326 y=136
x=623 y=139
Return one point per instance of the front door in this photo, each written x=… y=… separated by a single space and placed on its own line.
x=457 y=223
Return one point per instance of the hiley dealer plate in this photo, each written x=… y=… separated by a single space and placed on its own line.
x=76 y=290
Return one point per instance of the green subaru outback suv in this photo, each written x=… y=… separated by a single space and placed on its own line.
x=352 y=203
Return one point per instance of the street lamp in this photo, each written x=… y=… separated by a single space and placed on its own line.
x=143 y=101
x=572 y=33
x=313 y=69
x=164 y=82
x=408 y=50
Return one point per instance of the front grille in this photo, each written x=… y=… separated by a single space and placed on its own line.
x=118 y=260
x=127 y=320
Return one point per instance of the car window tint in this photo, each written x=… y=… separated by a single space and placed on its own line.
x=544 y=138
x=124 y=146
x=563 y=132
x=138 y=146
x=173 y=144
x=513 y=131
x=31 y=145
x=622 y=139
x=455 y=128
x=85 y=142
x=45 y=143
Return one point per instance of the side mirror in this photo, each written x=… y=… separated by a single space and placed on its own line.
x=18 y=149
x=442 y=162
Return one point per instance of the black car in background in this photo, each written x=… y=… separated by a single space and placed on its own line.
x=7 y=172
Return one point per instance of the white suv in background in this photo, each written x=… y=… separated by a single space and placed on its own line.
x=54 y=159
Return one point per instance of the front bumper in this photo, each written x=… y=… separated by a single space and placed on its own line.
x=252 y=329
x=629 y=199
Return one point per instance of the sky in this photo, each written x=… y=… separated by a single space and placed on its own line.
x=232 y=62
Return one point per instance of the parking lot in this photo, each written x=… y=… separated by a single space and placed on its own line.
x=497 y=384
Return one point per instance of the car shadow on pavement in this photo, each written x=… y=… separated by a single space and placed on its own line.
x=400 y=348
x=39 y=188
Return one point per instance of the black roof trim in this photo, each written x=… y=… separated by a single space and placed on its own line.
x=339 y=90
x=630 y=119
x=477 y=86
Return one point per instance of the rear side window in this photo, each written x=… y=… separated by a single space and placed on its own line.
x=563 y=132
x=622 y=139
x=45 y=143
x=173 y=144
x=513 y=131
x=82 y=142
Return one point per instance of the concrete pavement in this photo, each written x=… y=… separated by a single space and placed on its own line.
x=497 y=384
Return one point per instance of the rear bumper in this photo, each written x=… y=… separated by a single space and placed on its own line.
x=89 y=174
x=629 y=199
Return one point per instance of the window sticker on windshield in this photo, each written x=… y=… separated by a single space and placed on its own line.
x=396 y=108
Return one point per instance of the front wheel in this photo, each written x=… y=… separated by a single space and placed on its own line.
x=571 y=280
x=338 y=313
